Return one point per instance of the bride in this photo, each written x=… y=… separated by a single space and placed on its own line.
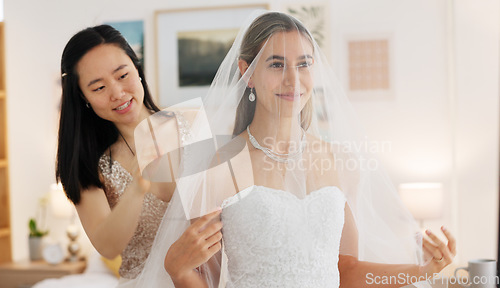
x=277 y=161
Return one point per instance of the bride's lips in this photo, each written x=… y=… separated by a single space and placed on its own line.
x=124 y=107
x=289 y=96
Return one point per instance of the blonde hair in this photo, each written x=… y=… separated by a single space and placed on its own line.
x=261 y=29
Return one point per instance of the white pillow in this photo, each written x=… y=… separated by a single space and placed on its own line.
x=85 y=280
x=96 y=275
x=95 y=264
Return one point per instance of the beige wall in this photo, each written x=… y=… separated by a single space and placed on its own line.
x=477 y=125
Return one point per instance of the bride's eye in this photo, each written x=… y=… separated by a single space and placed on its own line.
x=305 y=64
x=124 y=76
x=277 y=65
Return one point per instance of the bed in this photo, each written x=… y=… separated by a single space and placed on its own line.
x=96 y=275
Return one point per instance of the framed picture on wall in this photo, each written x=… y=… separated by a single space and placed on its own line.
x=315 y=15
x=369 y=67
x=133 y=31
x=190 y=46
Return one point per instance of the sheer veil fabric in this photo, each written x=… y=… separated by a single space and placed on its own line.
x=299 y=136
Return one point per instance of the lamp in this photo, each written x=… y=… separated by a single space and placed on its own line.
x=424 y=200
x=61 y=207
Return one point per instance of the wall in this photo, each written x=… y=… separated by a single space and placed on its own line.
x=415 y=118
x=477 y=126
x=418 y=105
x=443 y=116
x=440 y=129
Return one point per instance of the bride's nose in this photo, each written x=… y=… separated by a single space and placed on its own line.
x=290 y=76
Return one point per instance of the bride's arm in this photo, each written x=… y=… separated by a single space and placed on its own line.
x=354 y=273
x=199 y=243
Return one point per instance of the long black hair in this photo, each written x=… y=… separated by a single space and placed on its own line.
x=84 y=136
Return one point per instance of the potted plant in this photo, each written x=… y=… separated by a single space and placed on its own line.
x=35 y=240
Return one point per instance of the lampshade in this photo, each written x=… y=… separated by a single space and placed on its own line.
x=60 y=206
x=424 y=200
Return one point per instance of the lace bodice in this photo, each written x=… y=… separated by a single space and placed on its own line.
x=274 y=239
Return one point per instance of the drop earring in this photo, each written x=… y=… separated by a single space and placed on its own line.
x=88 y=105
x=251 y=96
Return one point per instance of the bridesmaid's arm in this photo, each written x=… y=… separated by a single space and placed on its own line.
x=109 y=230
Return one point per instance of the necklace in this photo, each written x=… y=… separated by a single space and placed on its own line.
x=278 y=157
x=131 y=151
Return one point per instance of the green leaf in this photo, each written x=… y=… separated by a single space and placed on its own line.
x=34 y=232
x=32 y=225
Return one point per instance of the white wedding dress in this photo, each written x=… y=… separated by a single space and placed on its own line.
x=274 y=239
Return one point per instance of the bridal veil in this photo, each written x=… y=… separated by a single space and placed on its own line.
x=323 y=145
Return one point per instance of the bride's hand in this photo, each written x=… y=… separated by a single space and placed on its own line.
x=442 y=254
x=197 y=245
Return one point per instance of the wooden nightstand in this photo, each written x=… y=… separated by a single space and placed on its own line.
x=26 y=274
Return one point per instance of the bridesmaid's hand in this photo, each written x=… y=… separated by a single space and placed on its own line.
x=138 y=184
x=442 y=254
x=197 y=245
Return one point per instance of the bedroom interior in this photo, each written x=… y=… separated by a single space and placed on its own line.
x=439 y=113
